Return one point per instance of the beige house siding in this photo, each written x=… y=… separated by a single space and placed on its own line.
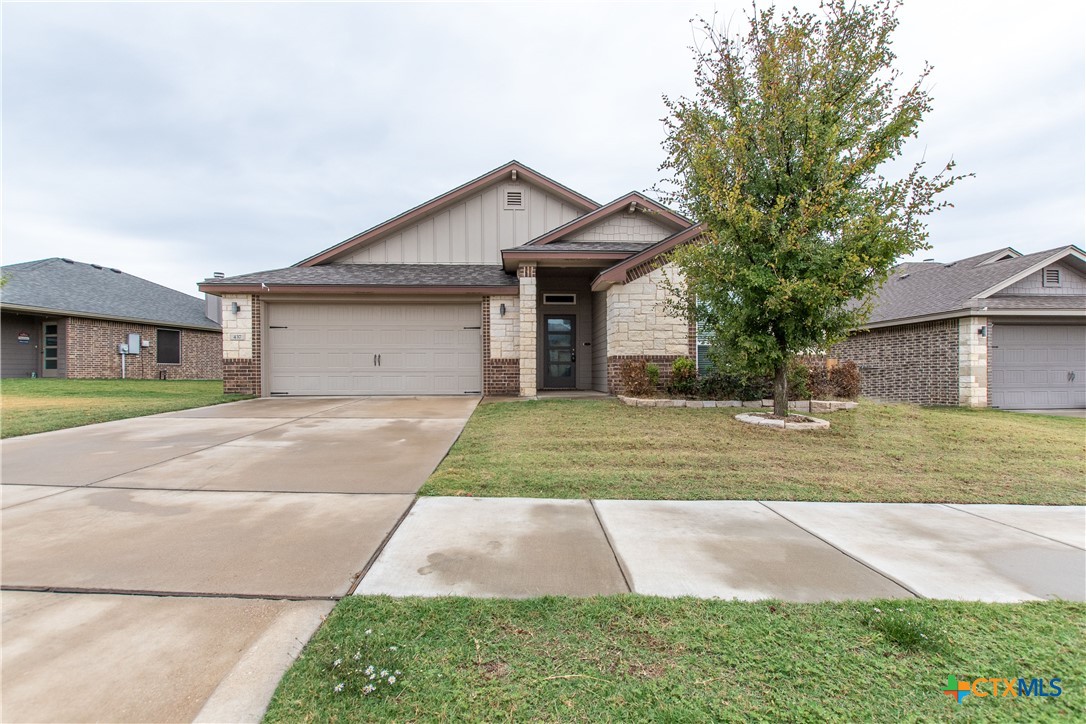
x=472 y=231
x=599 y=341
x=637 y=226
x=1071 y=283
x=638 y=322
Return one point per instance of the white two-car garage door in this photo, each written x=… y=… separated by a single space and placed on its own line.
x=374 y=349
x=1038 y=366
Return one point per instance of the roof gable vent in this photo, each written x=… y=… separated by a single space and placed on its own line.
x=514 y=198
x=1050 y=277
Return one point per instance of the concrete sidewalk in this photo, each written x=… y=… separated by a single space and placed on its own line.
x=518 y=547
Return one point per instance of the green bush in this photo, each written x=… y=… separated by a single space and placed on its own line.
x=684 y=378
x=653 y=371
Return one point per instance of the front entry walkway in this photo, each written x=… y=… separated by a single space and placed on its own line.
x=169 y=568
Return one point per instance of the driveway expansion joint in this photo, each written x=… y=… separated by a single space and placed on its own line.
x=611 y=544
x=957 y=507
x=165 y=594
x=381 y=547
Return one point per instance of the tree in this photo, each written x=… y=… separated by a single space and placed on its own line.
x=778 y=155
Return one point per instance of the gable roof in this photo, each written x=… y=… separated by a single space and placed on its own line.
x=71 y=288
x=617 y=274
x=451 y=197
x=623 y=204
x=926 y=289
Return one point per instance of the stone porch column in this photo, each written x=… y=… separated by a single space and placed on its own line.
x=973 y=362
x=528 y=321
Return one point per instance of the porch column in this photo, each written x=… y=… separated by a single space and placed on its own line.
x=528 y=317
x=973 y=362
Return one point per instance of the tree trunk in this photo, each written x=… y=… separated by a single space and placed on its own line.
x=780 y=391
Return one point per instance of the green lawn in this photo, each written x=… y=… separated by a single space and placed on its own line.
x=886 y=453
x=635 y=658
x=36 y=405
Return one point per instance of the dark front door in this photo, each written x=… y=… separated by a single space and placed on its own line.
x=560 y=351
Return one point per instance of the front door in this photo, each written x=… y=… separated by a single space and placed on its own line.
x=560 y=352
x=50 y=349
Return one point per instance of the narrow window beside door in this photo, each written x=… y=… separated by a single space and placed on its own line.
x=169 y=347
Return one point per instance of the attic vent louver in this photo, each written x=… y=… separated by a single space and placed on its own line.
x=514 y=199
x=1051 y=277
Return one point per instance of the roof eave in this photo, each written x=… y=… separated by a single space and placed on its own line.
x=617 y=273
x=50 y=311
x=672 y=219
x=1052 y=259
x=322 y=289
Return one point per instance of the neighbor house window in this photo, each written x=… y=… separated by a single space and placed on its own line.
x=169 y=347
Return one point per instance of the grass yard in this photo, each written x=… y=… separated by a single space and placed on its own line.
x=36 y=405
x=875 y=453
x=634 y=658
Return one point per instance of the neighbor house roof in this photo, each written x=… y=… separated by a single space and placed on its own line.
x=917 y=290
x=393 y=278
x=70 y=288
x=451 y=197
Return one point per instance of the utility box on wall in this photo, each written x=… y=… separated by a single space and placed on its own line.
x=133 y=343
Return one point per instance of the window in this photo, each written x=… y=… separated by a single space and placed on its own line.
x=1050 y=277
x=559 y=298
x=169 y=347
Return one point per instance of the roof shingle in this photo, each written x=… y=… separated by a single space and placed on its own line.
x=392 y=275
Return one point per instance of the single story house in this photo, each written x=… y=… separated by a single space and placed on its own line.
x=1000 y=329
x=63 y=318
x=509 y=284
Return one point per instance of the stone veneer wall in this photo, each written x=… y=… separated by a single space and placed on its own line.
x=639 y=326
x=241 y=345
x=91 y=352
x=528 y=326
x=501 y=360
x=973 y=362
x=912 y=363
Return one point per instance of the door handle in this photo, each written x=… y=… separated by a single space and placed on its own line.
x=573 y=356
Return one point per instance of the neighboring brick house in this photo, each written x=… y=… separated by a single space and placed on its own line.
x=507 y=285
x=62 y=318
x=999 y=329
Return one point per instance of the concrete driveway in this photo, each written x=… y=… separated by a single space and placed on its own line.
x=168 y=568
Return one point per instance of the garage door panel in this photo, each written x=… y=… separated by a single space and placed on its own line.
x=1038 y=366
x=328 y=349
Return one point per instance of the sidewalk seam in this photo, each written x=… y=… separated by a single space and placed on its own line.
x=859 y=560
x=76 y=590
x=611 y=545
x=953 y=506
x=380 y=548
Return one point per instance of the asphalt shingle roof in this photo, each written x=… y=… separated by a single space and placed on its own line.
x=74 y=288
x=918 y=289
x=439 y=275
x=624 y=246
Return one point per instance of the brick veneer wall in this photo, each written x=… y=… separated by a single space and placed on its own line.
x=501 y=376
x=912 y=363
x=242 y=376
x=614 y=369
x=91 y=352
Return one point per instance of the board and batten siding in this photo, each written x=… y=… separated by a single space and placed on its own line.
x=1071 y=283
x=472 y=231
x=599 y=341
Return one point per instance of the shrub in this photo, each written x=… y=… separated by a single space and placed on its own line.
x=653 y=372
x=844 y=379
x=684 y=377
x=634 y=378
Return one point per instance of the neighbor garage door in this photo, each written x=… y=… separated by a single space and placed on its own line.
x=374 y=349
x=1038 y=366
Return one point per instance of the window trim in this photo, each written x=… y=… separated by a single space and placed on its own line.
x=158 y=350
x=548 y=296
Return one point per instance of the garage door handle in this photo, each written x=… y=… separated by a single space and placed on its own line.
x=1071 y=376
x=378 y=360
x=374 y=360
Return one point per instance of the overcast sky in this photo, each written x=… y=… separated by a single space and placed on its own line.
x=176 y=140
